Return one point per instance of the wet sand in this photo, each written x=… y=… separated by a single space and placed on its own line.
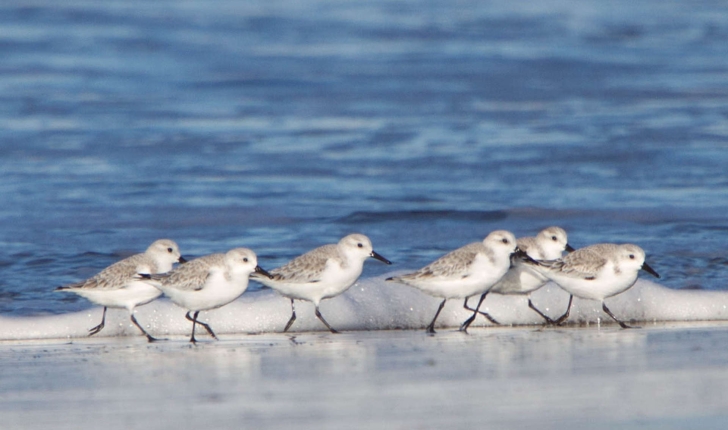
x=666 y=375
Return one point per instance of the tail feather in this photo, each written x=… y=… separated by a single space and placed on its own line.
x=69 y=286
x=154 y=277
x=551 y=264
x=543 y=263
x=255 y=276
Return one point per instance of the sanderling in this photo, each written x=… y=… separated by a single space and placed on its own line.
x=549 y=244
x=465 y=272
x=118 y=287
x=597 y=272
x=322 y=273
x=208 y=282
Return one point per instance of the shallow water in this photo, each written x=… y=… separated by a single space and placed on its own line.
x=424 y=125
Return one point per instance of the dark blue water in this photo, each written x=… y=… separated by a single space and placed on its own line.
x=424 y=125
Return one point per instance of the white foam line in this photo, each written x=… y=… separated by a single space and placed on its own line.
x=373 y=304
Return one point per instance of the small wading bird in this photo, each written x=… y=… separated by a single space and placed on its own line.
x=208 y=282
x=118 y=286
x=322 y=273
x=597 y=272
x=549 y=244
x=465 y=272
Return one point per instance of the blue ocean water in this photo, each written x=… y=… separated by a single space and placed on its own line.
x=282 y=126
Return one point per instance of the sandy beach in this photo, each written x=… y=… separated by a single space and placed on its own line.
x=589 y=374
x=661 y=376
x=382 y=372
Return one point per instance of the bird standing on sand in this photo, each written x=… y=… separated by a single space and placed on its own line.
x=597 y=272
x=464 y=272
x=322 y=273
x=118 y=286
x=208 y=282
x=549 y=244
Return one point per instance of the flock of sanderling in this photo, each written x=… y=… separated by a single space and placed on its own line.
x=499 y=264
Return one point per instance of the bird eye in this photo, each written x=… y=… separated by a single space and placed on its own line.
x=631 y=256
x=505 y=240
x=360 y=245
x=169 y=250
x=554 y=238
x=245 y=259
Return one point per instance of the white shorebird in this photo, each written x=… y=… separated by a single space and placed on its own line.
x=117 y=286
x=322 y=273
x=597 y=272
x=208 y=282
x=549 y=244
x=464 y=272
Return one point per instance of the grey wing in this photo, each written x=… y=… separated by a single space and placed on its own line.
x=112 y=277
x=88 y=283
x=191 y=275
x=307 y=267
x=530 y=246
x=453 y=264
x=526 y=243
x=583 y=263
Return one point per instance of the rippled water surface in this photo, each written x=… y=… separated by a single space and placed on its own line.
x=424 y=125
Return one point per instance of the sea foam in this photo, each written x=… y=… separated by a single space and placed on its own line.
x=373 y=304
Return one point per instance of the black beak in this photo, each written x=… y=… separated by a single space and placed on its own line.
x=182 y=260
x=380 y=258
x=523 y=256
x=646 y=267
x=262 y=271
x=569 y=248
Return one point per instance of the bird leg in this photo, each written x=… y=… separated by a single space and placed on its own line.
x=318 y=314
x=464 y=326
x=431 y=327
x=549 y=321
x=149 y=337
x=195 y=321
x=293 y=317
x=563 y=317
x=98 y=328
x=621 y=324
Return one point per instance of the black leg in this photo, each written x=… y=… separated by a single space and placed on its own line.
x=464 y=326
x=149 y=337
x=206 y=326
x=196 y=321
x=431 y=327
x=318 y=314
x=478 y=311
x=563 y=317
x=293 y=317
x=621 y=324
x=98 y=328
x=549 y=321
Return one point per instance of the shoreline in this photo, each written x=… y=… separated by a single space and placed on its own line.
x=373 y=304
x=663 y=375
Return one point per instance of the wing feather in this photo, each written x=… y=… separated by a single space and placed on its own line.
x=115 y=276
x=450 y=265
x=192 y=275
x=307 y=267
x=583 y=263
